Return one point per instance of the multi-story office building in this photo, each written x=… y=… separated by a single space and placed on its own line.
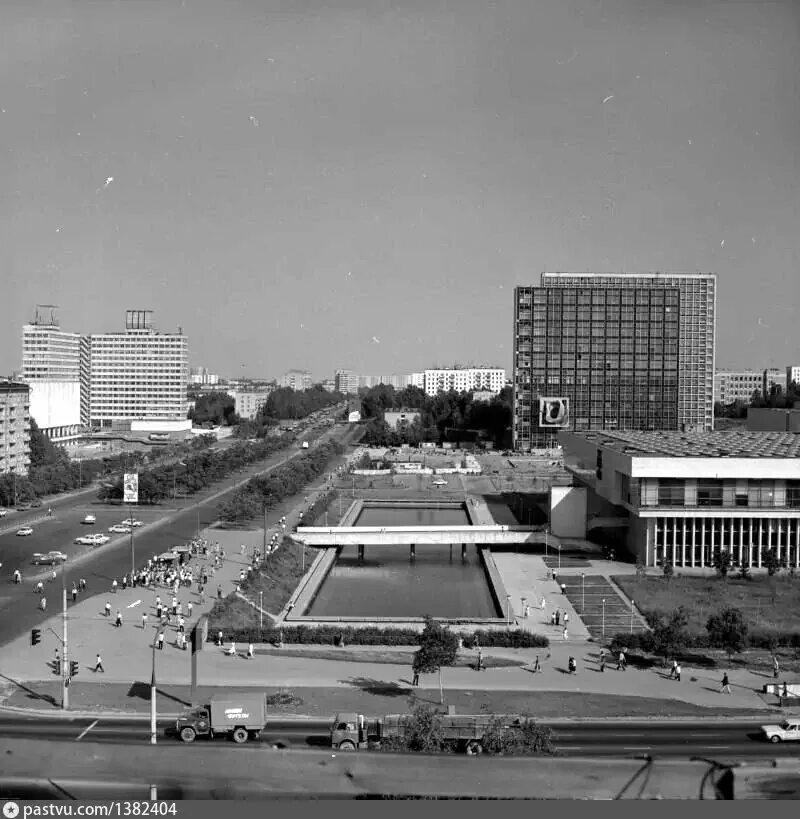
x=698 y=309
x=346 y=382
x=681 y=497
x=51 y=367
x=773 y=377
x=737 y=385
x=248 y=402
x=466 y=379
x=792 y=375
x=594 y=358
x=296 y=380
x=135 y=379
x=15 y=428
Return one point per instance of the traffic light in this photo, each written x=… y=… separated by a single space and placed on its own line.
x=73 y=668
x=36 y=636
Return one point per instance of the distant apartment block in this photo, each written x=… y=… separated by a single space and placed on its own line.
x=15 y=427
x=329 y=385
x=201 y=375
x=467 y=379
x=136 y=378
x=698 y=306
x=249 y=402
x=792 y=375
x=773 y=377
x=346 y=382
x=737 y=385
x=296 y=380
x=594 y=358
x=51 y=368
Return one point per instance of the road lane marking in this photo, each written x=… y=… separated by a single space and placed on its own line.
x=636 y=747
x=134 y=604
x=719 y=747
x=86 y=731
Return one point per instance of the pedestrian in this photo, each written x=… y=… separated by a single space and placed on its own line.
x=43 y=603
x=82 y=585
x=144 y=620
x=74 y=593
x=181 y=625
x=480 y=659
x=775 y=667
x=17 y=576
x=119 y=618
x=39 y=588
x=161 y=640
x=114 y=585
x=250 y=651
x=231 y=652
x=566 y=618
x=542 y=604
x=98 y=665
x=726 y=684
x=124 y=582
x=563 y=588
x=219 y=592
x=415 y=679
x=242 y=549
x=785 y=692
x=189 y=609
x=536 y=667
x=602 y=662
x=558 y=617
x=219 y=638
x=565 y=633
x=159 y=611
x=158 y=600
x=53 y=576
x=552 y=618
x=108 y=609
x=621 y=661
x=672 y=670
x=678 y=672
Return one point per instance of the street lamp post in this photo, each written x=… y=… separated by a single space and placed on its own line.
x=545 y=542
x=153 y=690
x=508 y=611
x=261 y=611
x=604 y=619
x=583 y=593
x=632 y=605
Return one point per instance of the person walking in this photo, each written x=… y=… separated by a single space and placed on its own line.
x=108 y=609
x=124 y=582
x=219 y=592
x=563 y=588
x=39 y=588
x=43 y=603
x=602 y=662
x=98 y=665
x=415 y=678
x=53 y=576
x=144 y=620
x=672 y=670
x=552 y=618
x=82 y=585
x=566 y=618
x=558 y=617
x=542 y=604
x=565 y=634
x=74 y=592
x=678 y=672
x=250 y=651
x=119 y=618
x=776 y=669
x=726 y=684
x=114 y=585
x=175 y=606
x=17 y=576
x=161 y=640
x=621 y=661
x=181 y=625
x=189 y=609
x=536 y=667
x=480 y=659
x=159 y=611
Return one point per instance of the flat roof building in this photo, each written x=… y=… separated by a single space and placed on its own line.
x=681 y=497
x=698 y=309
x=249 y=402
x=465 y=379
x=15 y=428
x=737 y=385
x=297 y=380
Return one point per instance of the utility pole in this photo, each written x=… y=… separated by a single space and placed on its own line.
x=65 y=649
x=133 y=552
x=153 y=691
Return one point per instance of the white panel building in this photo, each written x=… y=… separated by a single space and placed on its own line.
x=491 y=379
x=139 y=375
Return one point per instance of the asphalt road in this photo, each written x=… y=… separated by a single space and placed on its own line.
x=19 y=606
x=724 y=741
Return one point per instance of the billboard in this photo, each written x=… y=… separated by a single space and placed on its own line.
x=553 y=412
x=130 y=488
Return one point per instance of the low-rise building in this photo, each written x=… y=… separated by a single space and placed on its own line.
x=465 y=379
x=681 y=497
x=249 y=402
x=737 y=385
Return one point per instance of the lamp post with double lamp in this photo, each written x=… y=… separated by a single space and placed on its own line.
x=604 y=619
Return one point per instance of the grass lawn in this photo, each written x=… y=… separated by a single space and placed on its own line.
x=767 y=603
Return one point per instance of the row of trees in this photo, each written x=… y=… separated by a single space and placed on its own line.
x=263 y=491
x=216 y=408
x=670 y=636
x=445 y=416
x=777 y=398
x=286 y=403
x=195 y=472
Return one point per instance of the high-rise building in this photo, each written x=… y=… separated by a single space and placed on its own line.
x=594 y=358
x=346 y=382
x=135 y=379
x=464 y=379
x=296 y=380
x=698 y=309
x=51 y=368
x=15 y=428
x=737 y=385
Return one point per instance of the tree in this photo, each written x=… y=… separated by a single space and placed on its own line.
x=773 y=562
x=722 y=562
x=669 y=632
x=438 y=647
x=727 y=630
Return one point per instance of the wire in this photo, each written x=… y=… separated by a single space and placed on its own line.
x=646 y=769
x=715 y=767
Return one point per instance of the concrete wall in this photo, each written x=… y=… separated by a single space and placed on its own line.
x=568 y=511
x=55 y=403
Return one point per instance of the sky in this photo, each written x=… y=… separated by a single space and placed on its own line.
x=343 y=184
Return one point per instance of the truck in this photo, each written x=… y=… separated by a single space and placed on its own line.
x=351 y=731
x=239 y=718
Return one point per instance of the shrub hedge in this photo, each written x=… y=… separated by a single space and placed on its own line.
x=643 y=641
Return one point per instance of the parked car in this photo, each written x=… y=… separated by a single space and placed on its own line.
x=131 y=522
x=787 y=731
x=3 y=513
x=99 y=540
x=24 y=531
x=48 y=559
x=90 y=519
x=119 y=529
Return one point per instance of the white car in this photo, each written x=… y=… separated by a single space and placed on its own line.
x=120 y=529
x=24 y=531
x=787 y=731
x=440 y=482
x=99 y=540
x=85 y=540
x=48 y=559
x=90 y=519
x=131 y=522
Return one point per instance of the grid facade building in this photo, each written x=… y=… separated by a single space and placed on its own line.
x=136 y=375
x=51 y=367
x=612 y=353
x=296 y=380
x=697 y=343
x=465 y=379
x=346 y=382
x=737 y=385
x=15 y=428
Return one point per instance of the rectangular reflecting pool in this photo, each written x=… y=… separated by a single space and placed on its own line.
x=388 y=584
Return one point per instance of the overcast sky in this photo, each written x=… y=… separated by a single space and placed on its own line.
x=362 y=184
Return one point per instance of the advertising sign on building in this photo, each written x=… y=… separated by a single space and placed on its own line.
x=130 y=488
x=553 y=412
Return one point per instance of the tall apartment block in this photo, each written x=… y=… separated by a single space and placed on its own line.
x=15 y=428
x=136 y=378
x=346 y=382
x=51 y=368
x=296 y=380
x=594 y=358
x=698 y=308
